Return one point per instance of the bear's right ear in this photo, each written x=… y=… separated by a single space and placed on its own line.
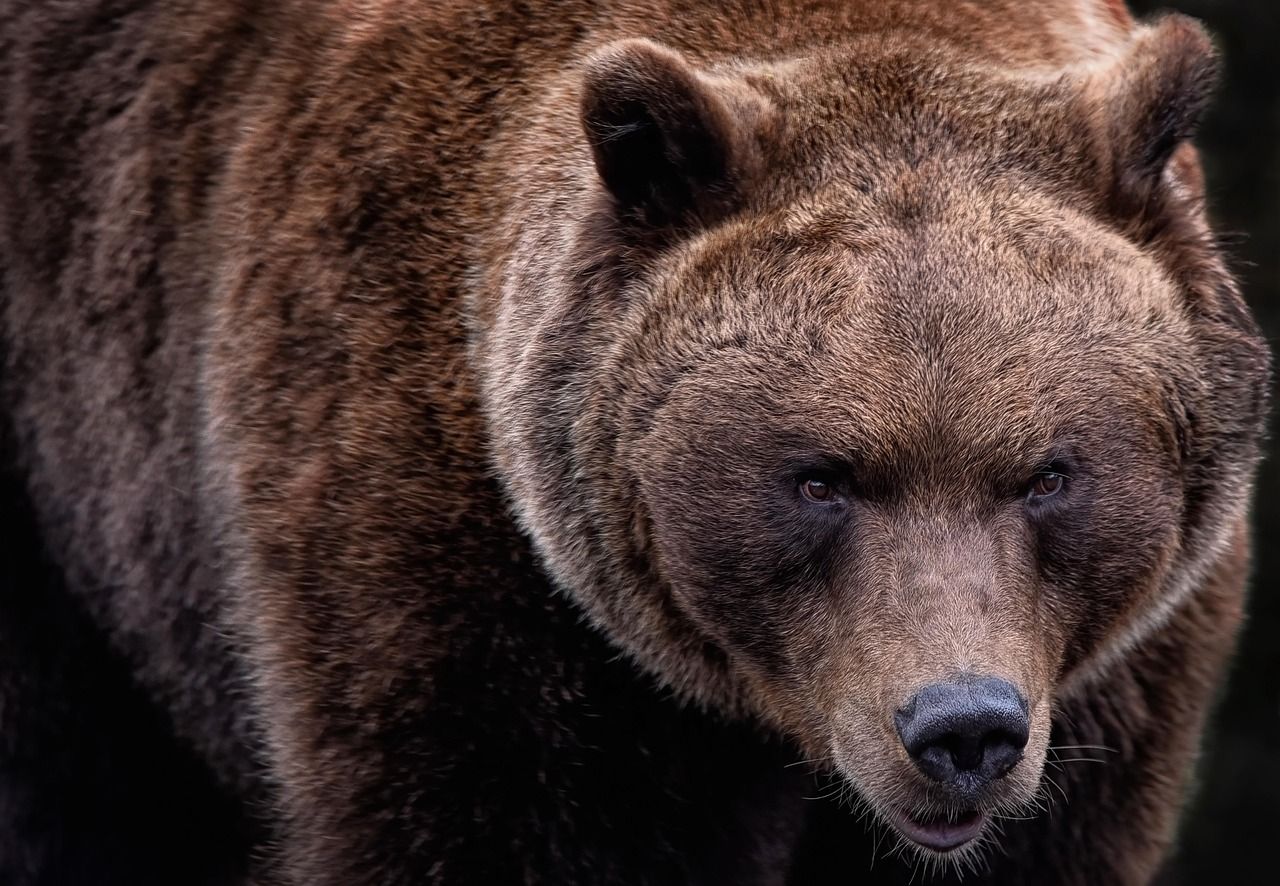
x=670 y=143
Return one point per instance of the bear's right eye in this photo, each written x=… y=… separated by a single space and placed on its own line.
x=817 y=490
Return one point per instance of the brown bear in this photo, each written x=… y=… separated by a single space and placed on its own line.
x=635 y=442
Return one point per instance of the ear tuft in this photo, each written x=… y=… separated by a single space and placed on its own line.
x=668 y=140
x=1158 y=97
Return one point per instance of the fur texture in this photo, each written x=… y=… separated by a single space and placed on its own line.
x=404 y=408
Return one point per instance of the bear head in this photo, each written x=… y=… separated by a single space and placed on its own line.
x=881 y=394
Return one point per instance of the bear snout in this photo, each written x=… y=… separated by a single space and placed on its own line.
x=965 y=733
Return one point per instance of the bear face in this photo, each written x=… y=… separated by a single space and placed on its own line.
x=901 y=484
x=881 y=397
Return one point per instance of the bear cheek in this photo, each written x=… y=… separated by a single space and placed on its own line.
x=1107 y=562
x=740 y=582
x=736 y=561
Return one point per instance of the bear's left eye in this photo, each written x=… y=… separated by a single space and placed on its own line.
x=1046 y=484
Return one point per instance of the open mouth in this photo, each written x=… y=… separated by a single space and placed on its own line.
x=942 y=832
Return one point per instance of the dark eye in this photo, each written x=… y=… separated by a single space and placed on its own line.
x=817 y=490
x=1046 y=484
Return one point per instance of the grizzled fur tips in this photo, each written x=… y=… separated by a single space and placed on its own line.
x=490 y=442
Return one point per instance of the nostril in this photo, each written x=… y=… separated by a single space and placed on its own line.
x=973 y=725
x=937 y=762
x=1002 y=753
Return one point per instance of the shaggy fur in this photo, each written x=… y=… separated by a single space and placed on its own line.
x=403 y=408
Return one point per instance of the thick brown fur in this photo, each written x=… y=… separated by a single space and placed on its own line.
x=402 y=406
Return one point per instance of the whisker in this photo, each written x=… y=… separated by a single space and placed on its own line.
x=1050 y=780
x=1082 y=747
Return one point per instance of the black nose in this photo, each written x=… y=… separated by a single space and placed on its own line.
x=973 y=729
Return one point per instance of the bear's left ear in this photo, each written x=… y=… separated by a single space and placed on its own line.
x=1154 y=99
x=670 y=142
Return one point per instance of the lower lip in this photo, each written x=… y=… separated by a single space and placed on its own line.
x=939 y=834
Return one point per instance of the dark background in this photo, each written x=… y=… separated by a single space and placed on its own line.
x=1232 y=830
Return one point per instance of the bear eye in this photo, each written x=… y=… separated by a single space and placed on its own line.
x=817 y=490
x=1046 y=484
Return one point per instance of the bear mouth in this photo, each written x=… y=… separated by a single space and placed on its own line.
x=944 y=832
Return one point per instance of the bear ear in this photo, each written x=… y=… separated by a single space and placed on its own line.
x=669 y=141
x=1155 y=101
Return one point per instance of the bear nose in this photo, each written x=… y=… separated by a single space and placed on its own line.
x=971 y=729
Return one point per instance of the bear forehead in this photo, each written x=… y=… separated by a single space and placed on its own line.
x=967 y=267
x=996 y=326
